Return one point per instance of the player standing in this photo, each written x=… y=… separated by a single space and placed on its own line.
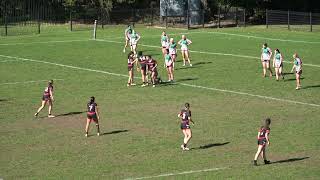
x=134 y=38
x=173 y=51
x=92 y=115
x=297 y=66
x=152 y=67
x=265 y=59
x=164 y=43
x=184 y=42
x=131 y=61
x=169 y=65
x=278 y=64
x=47 y=98
x=143 y=68
x=127 y=34
x=185 y=116
x=263 y=141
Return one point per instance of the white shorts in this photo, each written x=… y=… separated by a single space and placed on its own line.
x=278 y=64
x=172 y=51
x=184 y=49
x=164 y=44
x=265 y=57
x=133 y=42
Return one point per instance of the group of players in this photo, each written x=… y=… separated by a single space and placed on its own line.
x=146 y=64
x=277 y=63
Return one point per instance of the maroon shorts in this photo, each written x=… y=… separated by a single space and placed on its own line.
x=92 y=117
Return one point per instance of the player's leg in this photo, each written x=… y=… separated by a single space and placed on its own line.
x=189 y=136
x=126 y=45
x=264 y=68
x=260 y=147
x=95 y=119
x=183 y=57
x=50 y=108
x=269 y=68
x=129 y=78
x=132 y=77
x=184 y=145
x=276 y=69
x=43 y=104
x=187 y=55
x=264 y=156
x=87 y=126
x=281 y=71
x=298 y=80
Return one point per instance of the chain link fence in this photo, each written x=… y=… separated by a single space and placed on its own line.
x=32 y=17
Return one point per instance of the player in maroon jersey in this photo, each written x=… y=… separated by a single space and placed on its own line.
x=92 y=115
x=263 y=141
x=185 y=116
x=47 y=98
x=152 y=67
x=143 y=68
x=131 y=61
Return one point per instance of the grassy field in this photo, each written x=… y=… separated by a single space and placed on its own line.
x=141 y=135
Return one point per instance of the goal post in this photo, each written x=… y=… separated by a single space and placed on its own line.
x=95 y=29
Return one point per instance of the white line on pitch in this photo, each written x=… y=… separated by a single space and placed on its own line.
x=175 y=174
x=204 y=52
x=265 y=38
x=9 y=61
x=183 y=84
x=43 y=42
x=27 y=82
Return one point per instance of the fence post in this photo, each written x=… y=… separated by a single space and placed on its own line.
x=236 y=16
x=70 y=20
x=310 y=21
x=38 y=19
x=202 y=18
x=244 y=17
x=152 y=16
x=5 y=19
x=188 y=19
x=166 y=18
x=95 y=30
x=267 y=19
x=288 y=19
x=219 y=16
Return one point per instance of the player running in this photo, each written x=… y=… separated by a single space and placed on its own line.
x=297 y=66
x=131 y=61
x=266 y=54
x=47 y=98
x=173 y=51
x=152 y=67
x=184 y=43
x=164 y=43
x=134 y=38
x=92 y=115
x=169 y=65
x=143 y=68
x=263 y=140
x=185 y=116
x=127 y=34
x=278 y=64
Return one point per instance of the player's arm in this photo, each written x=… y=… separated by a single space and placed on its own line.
x=273 y=61
x=267 y=138
x=189 y=42
x=293 y=67
x=138 y=37
x=97 y=113
x=155 y=65
x=261 y=57
x=180 y=42
x=270 y=52
x=190 y=119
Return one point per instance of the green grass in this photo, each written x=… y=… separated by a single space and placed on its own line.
x=42 y=148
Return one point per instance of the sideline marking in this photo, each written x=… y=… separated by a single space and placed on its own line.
x=175 y=174
x=183 y=84
x=27 y=82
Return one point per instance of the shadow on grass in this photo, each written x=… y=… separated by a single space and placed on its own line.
x=288 y=73
x=292 y=79
x=186 y=79
x=308 y=87
x=4 y=100
x=200 y=63
x=289 y=160
x=70 y=113
x=207 y=146
x=115 y=132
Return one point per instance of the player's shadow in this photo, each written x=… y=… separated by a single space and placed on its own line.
x=70 y=113
x=207 y=146
x=288 y=73
x=116 y=132
x=200 y=63
x=186 y=79
x=289 y=160
x=308 y=87
x=4 y=100
x=165 y=83
x=292 y=79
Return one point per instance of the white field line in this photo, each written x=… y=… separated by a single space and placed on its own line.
x=264 y=38
x=43 y=42
x=9 y=61
x=183 y=84
x=176 y=174
x=27 y=82
x=205 y=52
